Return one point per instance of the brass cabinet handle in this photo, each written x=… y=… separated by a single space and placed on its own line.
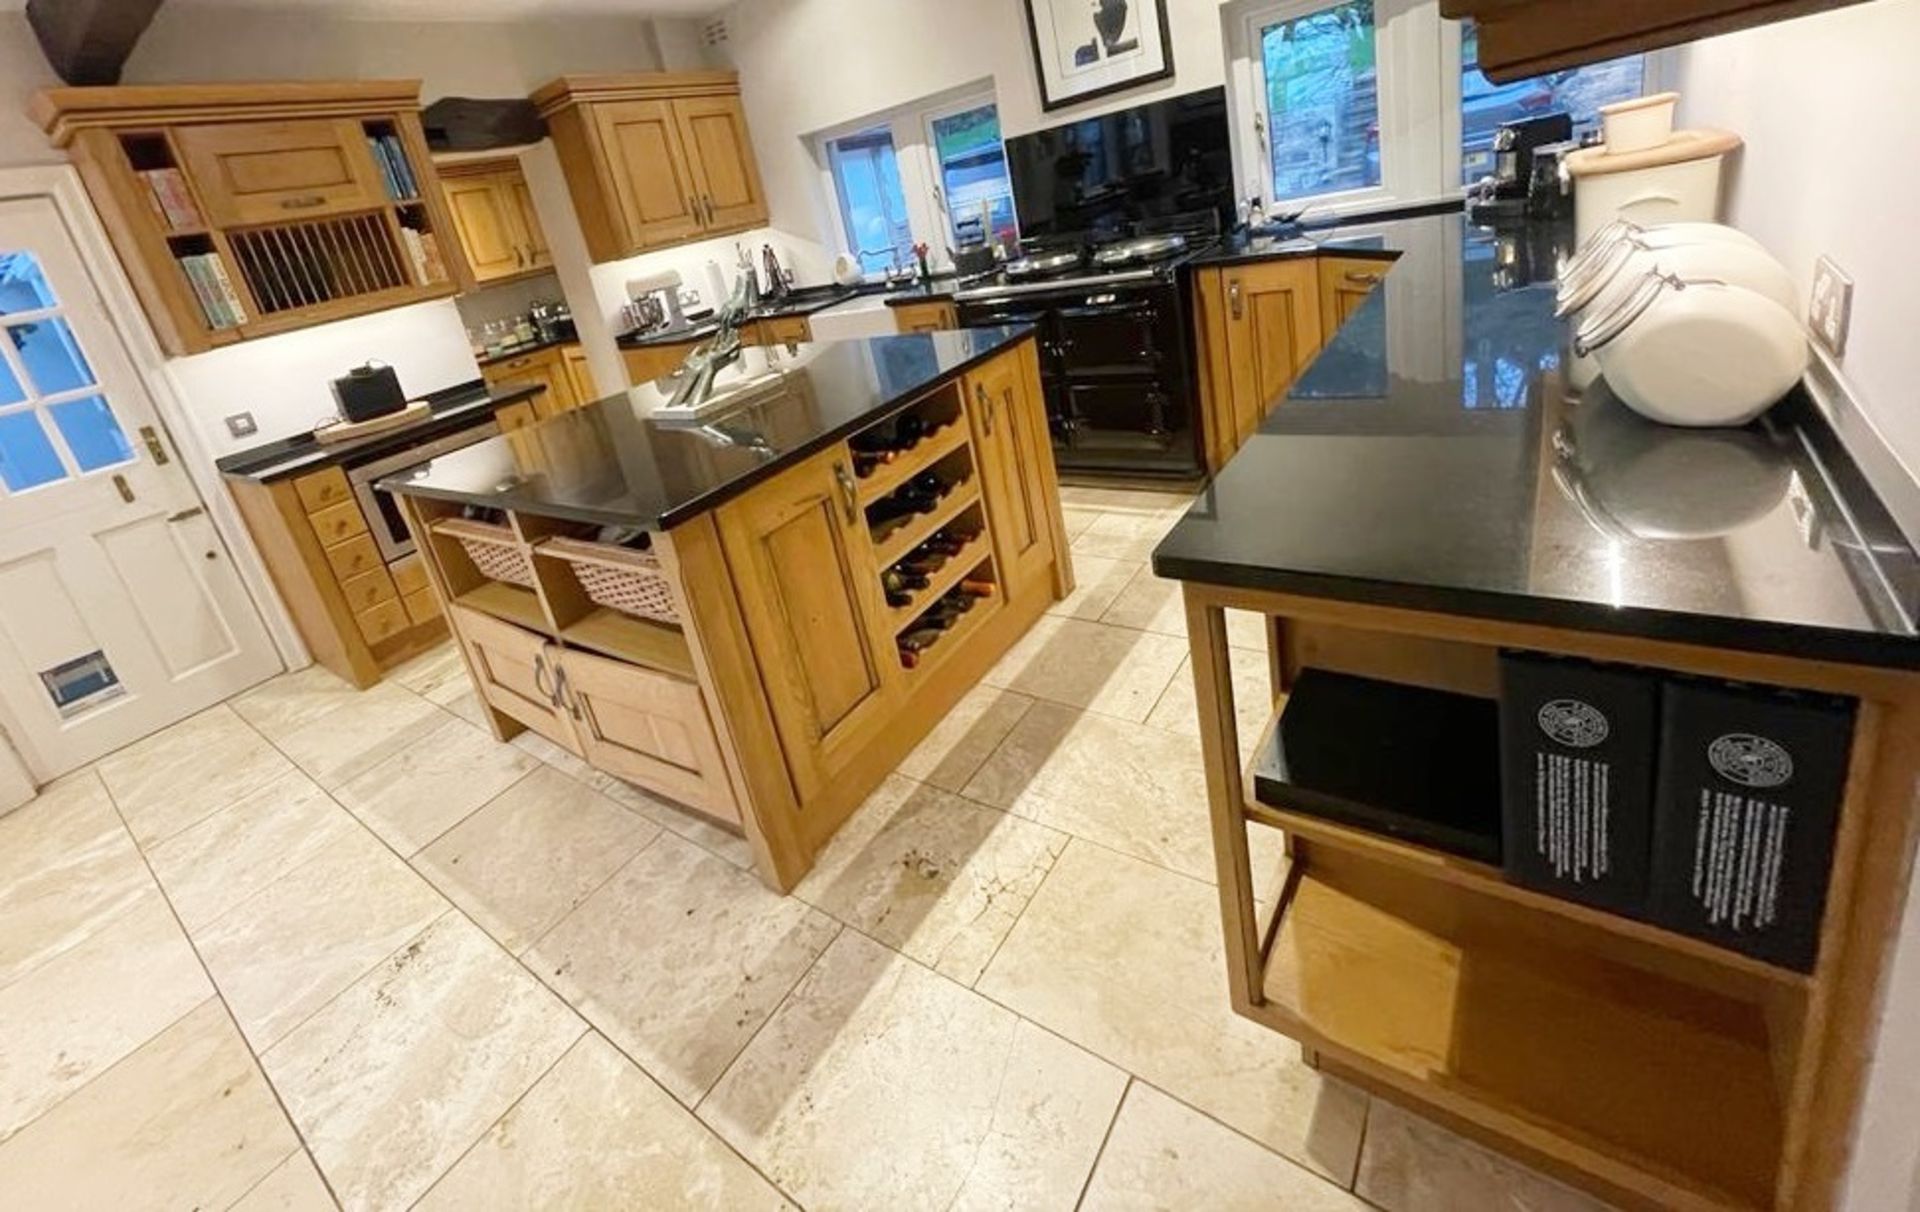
x=563 y=695
x=693 y=207
x=849 y=495
x=519 y=256
x=706 y=200
x=540 y=678
x=986 y=408
x=1363 y=279
x=1235 y=300
x=303 y=202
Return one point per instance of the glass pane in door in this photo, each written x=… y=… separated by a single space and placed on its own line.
x=10 y=390
x=972 y=163
x=873 y=206
x=22 y=286
x=27 y=458
x=92 y=433
x=51 y=356
x=1323 y=101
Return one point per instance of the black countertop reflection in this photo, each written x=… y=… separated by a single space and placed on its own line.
x=1437 y=456
x=608 y=463
x=454 y=409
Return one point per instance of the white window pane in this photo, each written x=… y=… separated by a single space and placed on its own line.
x=873 y=207
x=1323 y=102
x=973 y=175
x=1581 y=91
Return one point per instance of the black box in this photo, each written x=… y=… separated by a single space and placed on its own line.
x=1412 y=763
x=1750 y=788
x=1577 y=771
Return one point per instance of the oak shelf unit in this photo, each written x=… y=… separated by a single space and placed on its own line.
x=914 y=531
x=930 y=450
x=654 y=645
x=959 y=567
x=514 y=604
x=243 y=211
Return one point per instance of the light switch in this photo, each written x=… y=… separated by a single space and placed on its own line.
x=1831 y=313
x=242 y=425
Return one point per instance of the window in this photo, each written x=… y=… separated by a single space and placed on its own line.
x=873 y=206
x=47 y=388
x=1484 y=105
x=1322 y=101
x=932 y=173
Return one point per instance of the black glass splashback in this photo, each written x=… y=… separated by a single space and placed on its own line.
x=1149 y=168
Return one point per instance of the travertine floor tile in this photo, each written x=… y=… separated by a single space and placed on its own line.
x=186 y=1121
x=233 y=854
x=1165 y=1155
x=399 y=1075
x=1126 y=959
x=462 y=701
x=426 y=789
x=1097 y=582
x=1410 y=1165
x=1137 y=789
x=286 y=951
x=81 y=1011
x=1124 y=500
x=679 y=959
x=1113 y=670
x=1252 y=702
x=1127 y=535
x=1153 y=604
x=521 y=863
x=67 y=866
x=295 y=1186
x=672 y=817
x=882 y=1085
x=188 y=772
x=952 y=753
x=281 y=707
x=1076 y=519
x=935 y=876
x=352 y=739
x=430 y=674
x=595 y=1132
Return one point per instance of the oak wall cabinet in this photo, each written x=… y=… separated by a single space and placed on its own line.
x=937 y=316
x=1522 y=38
x=654 y=159
x=493 y=215
x=246 y=210
x=552 y=370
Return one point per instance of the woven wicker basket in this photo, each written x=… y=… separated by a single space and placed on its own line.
x=620 y=578
x=493 y=551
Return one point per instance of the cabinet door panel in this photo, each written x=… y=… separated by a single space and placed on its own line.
x=1004 y=442
x=649 y=729
x=714 y=133
x=809 y=590
x=539 y=256
x=1345 y=284
x=487 y=229
x=579 y=375
x=271 y=172
x=652 y=182
x=1273 y=329
x=514 y=671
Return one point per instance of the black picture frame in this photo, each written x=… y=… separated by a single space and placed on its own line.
x=1049 y=103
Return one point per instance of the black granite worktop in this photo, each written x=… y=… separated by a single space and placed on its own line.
x=1438 y=456
x=609 y=463
x=522 y=349
x=802 y=302
x=454 y=409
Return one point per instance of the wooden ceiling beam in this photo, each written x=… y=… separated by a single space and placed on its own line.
x=88 y=41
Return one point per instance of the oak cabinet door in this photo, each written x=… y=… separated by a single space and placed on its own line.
x=809 y=592
x=488 y=230
x=647 y=728
x=1345 y=284
x=252 y=173
x=925 y=317
x=539 y=256
x=713 y=130
x=1007 y=454
x=579 y=375
x=653 y=183
x=545 y=370
x=1273 y=330
x=514 y=671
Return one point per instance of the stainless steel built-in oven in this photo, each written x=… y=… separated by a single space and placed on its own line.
x=384 y=519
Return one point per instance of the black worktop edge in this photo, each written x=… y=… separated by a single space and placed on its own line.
x=521 y=351
x=302 y=454
x=747 y=480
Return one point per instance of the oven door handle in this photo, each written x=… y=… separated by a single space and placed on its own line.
x=1146 y=312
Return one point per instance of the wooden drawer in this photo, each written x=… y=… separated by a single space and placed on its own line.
x=650 y=729
x=323 y=488
x=384 y=621
x=788 y=330
x=338 y=523
x=368 y=590
x=409 y=574
x=422 y=606
x=353 y=557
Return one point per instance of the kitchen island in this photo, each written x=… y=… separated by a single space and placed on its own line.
x=756 y=612
x=1431 y=494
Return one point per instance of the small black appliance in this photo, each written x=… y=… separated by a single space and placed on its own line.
x=369 y=391
x=1503 y=193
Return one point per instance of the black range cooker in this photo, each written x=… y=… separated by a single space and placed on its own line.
x=1116 y=349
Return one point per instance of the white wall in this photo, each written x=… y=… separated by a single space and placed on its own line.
x=1828 y=106
x=23 y=69
x=451 y=58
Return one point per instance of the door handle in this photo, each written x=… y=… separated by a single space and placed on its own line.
x=1363 y=279
x=563 y=695
x=155 y=446
x=303 y=202
x=186 y=514
x=125 y=489
x=540 y=679
x=849 y=495
x=519 y=256
x=706 y=200
x=1235 y=301
x=981 y=394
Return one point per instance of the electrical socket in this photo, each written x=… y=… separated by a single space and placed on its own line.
x=242 y=425
x=1831 y=312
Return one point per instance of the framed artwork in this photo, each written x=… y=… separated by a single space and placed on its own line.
x=1084 y=49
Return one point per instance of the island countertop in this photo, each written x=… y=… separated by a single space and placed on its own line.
x=611 y=464
x=1436 y=456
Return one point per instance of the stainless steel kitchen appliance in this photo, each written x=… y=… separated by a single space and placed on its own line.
x=553 y=321
x=1503 y=194
x=384 y=519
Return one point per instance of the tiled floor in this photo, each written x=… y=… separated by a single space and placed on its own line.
x=316 y=948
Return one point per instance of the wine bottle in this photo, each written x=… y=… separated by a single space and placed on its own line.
x=976 y=589
x=895 y=581
x=866 y=462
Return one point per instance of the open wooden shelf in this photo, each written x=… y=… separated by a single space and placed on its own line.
x=654 y=645
x=915 y=531
x=1664 y=1088
x=930 y=450
x=956 y=638
x=513 y=603
x=963 y=564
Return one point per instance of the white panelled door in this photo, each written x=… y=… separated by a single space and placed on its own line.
x=120 y=611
